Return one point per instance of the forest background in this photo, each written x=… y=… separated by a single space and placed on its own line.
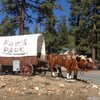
x=71 y=24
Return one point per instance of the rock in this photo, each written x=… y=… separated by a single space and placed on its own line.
x=36 y=88
x=99 y=93
x=49 y=92
x=71 y=80
x=61 y=85
x=39 y=94
x=2 y=86
x=24 y=88
x=9 y=89
x=95 y=86
x=16 y=91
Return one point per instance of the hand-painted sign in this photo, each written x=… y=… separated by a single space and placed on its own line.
x=17 y=46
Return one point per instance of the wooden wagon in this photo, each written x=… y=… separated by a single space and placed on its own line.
x=22 y=52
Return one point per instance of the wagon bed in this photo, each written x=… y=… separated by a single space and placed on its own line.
x=8 y=61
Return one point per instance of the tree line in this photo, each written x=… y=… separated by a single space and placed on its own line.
x=81 y=33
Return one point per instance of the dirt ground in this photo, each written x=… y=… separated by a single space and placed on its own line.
x=15 y=87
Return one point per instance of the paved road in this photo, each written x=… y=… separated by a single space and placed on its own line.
x=90 y=76
x=93 y=76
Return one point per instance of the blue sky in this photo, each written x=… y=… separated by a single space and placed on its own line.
x=1 y=14
x=58 y=13
x=66 y=10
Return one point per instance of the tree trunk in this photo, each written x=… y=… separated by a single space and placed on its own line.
x=94 y=41
x=22 y=17
x=93 y=53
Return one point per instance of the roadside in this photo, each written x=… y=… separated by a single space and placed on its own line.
x=26 y=88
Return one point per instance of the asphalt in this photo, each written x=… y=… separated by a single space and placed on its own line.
x=91 y=76
x=86 y=76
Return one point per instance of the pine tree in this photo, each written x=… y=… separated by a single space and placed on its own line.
x=7 y=28
x=85 y=26
x=28 y=11
x=63 y=33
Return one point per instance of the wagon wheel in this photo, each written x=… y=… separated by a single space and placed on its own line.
x=27 y=70
x=41 y=71
x=0 y=69
x=30 y=71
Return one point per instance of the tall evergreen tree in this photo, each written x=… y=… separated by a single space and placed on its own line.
x=7 y=27
x=95 y=18
x=66 y=40
x=63 y=33
x=49 y=23
x=27 y=11
x=85 y=25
